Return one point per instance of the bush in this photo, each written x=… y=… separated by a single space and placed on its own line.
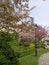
x=43 y=45
x=7 y=55
x=31 y=46
x=25 y=52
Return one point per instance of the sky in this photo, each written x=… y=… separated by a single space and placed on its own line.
x=41 y=12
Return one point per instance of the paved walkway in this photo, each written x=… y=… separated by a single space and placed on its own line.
x=44 y=59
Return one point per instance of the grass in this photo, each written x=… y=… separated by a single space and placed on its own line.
x=28 y=60
x=31 y=59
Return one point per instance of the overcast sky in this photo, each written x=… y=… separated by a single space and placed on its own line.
x=41 y=12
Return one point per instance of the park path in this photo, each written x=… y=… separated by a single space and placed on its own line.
x=44 y=59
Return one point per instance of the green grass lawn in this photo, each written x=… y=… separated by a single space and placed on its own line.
x=28 y=60
x=31 y=59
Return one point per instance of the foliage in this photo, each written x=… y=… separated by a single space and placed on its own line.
x=7 y=55
x=12 y=11
x=23 y=53
x=31 y=46
x=40 y=33
x=41 y=44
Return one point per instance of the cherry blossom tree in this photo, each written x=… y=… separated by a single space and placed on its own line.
x=40 y=33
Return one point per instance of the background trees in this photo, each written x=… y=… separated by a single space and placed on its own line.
x=39 y=33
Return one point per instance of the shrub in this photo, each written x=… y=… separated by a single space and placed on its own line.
x=31 y=46
x=43 y=45
x=25 y=52
x=7 y=55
